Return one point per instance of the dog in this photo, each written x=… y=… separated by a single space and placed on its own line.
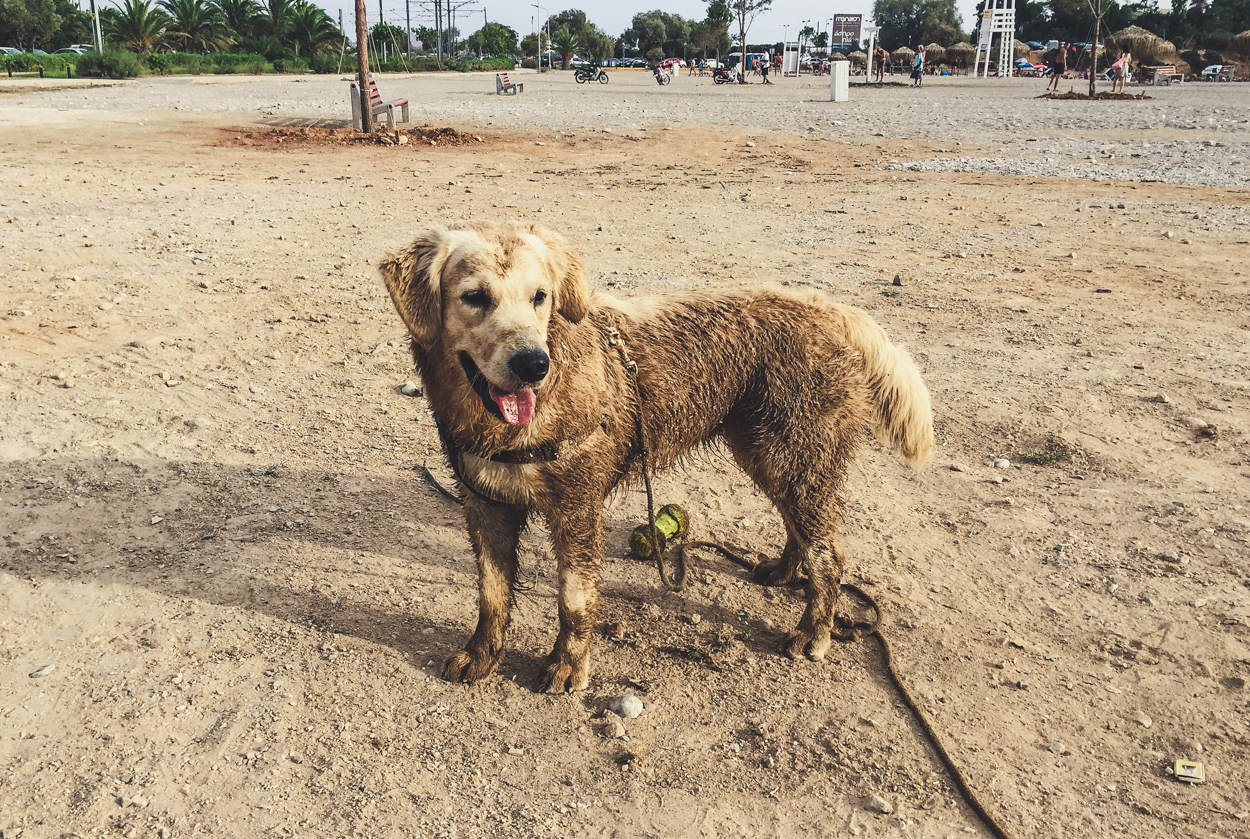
x=544 y=395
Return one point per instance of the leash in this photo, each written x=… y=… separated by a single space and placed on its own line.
x=678 y=582
x=851 y=631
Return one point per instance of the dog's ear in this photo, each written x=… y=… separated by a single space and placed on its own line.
x=572 y=289
x=413 y=276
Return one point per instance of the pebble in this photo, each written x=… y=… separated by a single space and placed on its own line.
x=958 y=467
x=43 y=671
x=1169 y=235
x=750 y=145
x=172 y=383
x=627 y=706
x=513 y=750
x=256 y=389
x=297 y=758
x=613 y=729
x=1169 y=556
x=10 y=833
x=163 y=833
x=1144 y=721
x=198 y=422
x=877 y=804
x=411 y=388
x=1002 y=463
x=696 y=618
x=902 y=278
x=539 y=143
x=1057 y=747
x=1163 y=397
x=1196 y=423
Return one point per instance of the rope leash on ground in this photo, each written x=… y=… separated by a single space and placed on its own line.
x=852 y=630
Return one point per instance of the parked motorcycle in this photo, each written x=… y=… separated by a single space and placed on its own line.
x=662 y=77
x=723 y=76
x=590 y=73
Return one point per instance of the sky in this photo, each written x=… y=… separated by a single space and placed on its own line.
x=782 y=20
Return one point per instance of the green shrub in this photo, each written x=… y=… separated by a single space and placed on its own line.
x=112 y=64
x=160 y=63
x=327 y=63
x=529 y=63
x=290 y=65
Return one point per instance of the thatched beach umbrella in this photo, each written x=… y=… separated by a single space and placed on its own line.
x=934 y=52
x=903 y=55
x=1240 y=43
x=858 y=57
x=1146 y=46
x=1019 y=49
x=960 y=54
x=837 y=56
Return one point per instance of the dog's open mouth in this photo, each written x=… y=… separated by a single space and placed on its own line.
x=513 y=407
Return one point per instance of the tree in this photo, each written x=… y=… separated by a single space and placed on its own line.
x=240 y=16
x=27 y=24
x=427 y=36
x=276 y=16
x=534 y=44
x=599 y=45
x=392 y=38
x=912 y=22
x=565 y=43
x=745 y=12
x=493 y=39
x=194 y=26
x=312 y=30
x=135 y=24
x=659 y=30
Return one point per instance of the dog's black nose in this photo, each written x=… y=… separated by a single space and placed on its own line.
x=530 y=365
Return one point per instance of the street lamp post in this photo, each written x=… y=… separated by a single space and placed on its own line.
x=542 y=10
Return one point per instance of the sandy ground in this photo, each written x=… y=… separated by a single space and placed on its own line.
x=225 y=589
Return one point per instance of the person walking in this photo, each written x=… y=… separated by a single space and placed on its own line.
x=917 y=67
x=764 y=68
x=882 y=57
x=1061 y=67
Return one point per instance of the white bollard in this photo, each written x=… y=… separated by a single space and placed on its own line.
x=840 y=81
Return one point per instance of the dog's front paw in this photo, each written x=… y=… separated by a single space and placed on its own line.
x=559 y=674
x=774 y=573
x=469 y=666
x=812 y=645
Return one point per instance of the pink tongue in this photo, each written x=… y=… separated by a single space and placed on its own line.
x=517 y=408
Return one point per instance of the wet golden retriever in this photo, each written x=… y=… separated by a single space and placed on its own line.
x=538 y=413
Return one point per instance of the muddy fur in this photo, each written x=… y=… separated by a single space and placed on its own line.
x=787 y=381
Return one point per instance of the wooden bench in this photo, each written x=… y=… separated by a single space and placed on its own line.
x=1162 y=74
x=377 y=105
x=502 y=85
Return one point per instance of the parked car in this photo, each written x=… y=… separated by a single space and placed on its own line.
x=10 y=51
x=1035 y=45
x=74 y=50
x=638 y=62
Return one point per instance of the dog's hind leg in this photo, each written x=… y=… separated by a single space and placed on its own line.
x=579 y=541
x=495 y=533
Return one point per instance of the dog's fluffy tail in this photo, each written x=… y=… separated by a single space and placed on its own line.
x=902 y=416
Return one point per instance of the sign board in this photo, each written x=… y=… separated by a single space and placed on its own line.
x=846 y=30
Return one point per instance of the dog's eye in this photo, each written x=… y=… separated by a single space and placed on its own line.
x=477 y=299
x=540 y=298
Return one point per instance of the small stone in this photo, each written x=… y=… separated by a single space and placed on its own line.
x=750 y=145
x=1163 y=397
x=197 y=422
x=43 y=671
x=1002 y=463
x=1144 y=721
x=139 y=801
x=275 y=355
x=1041 y=224
x=962 y=255
x=613 y=729
x=255 y=389
x=172 y=383
x=10 y=833
x=1196 y=423
x=157 y=519
x=958 y=467
x=122 y=800
x=163 y=833
x=696 y=618
x=1169 y=556
x=877 y=804
x=1169 y=235
x=1012 y=550
x=539 y=143
x=297 y=758
x=1120 y=207
x=513 y=750
x=627 y=706
x=615 y=631
x=902 y=278
x=1022 y=685
x=1057 y=747
x=411 y=388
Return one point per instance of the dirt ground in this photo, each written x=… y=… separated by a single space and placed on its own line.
x=226 y=589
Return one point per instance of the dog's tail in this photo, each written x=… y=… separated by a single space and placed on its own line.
x=902 y=417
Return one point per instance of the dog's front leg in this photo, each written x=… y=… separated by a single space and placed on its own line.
x=579 y=558
x=494 y=532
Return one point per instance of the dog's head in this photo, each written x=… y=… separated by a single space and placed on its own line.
x=488 y=294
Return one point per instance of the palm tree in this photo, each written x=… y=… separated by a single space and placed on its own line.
x=136 y=24
x=276 y=16
x=565 y=43
x=241 y=16
x=312 y=30
x=195 y=26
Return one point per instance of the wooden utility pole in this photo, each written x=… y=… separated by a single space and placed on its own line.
x=1095 y=6
x=362 y=67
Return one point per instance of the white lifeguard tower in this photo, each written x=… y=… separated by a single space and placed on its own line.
x=998 y=18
